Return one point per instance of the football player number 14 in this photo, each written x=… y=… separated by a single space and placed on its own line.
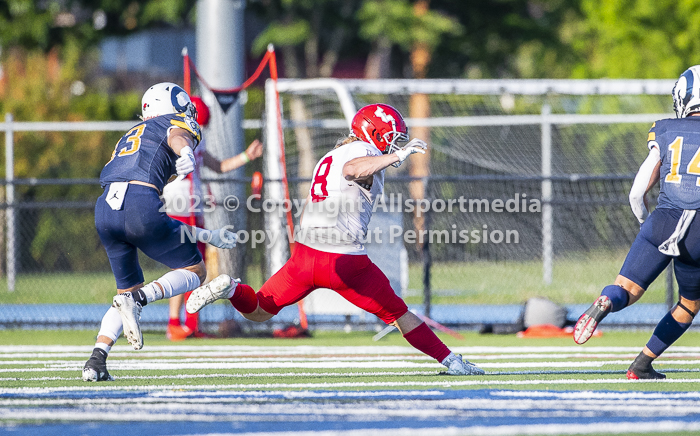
x=676 y=148
x=319 y=188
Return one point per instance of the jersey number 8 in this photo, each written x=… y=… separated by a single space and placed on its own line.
x=319 y=190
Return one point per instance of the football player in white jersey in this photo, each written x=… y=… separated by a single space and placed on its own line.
x=329 y=253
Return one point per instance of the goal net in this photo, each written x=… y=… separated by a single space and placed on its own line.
x=523 y=193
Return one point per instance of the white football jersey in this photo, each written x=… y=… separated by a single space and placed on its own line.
x=336 y=218
x=183 y=198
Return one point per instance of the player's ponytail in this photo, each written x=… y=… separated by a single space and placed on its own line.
x=347 y=140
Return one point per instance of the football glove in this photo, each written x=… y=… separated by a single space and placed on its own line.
x=221 y=238
x=415 y=145
x=185 y=163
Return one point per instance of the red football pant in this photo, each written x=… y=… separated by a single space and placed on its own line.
x=354 y=277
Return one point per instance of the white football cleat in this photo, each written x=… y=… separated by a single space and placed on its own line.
x=130 y=312
x=214 y=290
x=457 y=366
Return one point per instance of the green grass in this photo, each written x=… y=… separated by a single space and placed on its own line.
x=41 y=379
x=335 y=339
x=610 y=338
x=576 y=280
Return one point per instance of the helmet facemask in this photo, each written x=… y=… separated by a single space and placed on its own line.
x=191 y=111
x=396 y=141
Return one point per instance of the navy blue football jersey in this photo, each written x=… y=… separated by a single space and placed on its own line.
x=143 y=152
x=678 y=141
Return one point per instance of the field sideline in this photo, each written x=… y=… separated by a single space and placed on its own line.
x=344 y=384
x=576 y=280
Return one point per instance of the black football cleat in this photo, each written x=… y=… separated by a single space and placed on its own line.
x=641 y=369
x=95 y=368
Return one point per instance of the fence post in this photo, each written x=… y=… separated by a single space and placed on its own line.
x=427 y=258
x=670 y=291
x=10 y=199
x=546 y=195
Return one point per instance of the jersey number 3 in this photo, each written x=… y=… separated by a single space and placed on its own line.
x=319 y=188
x=133 y=139
x=693 y=168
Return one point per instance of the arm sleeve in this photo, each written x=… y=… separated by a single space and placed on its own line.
x=641 y=182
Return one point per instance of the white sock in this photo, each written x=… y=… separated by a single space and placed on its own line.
x=111 y=327
x=178 y=282
x=152 y=292
x=232 y=291
x=103 y=346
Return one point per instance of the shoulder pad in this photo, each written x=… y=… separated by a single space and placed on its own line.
x=190 y=124
x=371 y=149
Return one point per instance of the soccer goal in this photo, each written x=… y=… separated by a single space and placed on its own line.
x=523 y=192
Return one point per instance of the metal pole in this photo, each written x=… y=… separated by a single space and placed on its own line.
x=278 y=252
x=427 y=260
x=670 y=291
x=10 y=198
x=547 y=255
x=220 y=58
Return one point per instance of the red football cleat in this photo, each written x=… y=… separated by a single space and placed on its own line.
x=178 y=333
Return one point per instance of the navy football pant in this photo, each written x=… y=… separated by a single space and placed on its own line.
x=645 y=262
x=140 y=225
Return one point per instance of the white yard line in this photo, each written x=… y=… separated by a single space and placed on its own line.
x=309 y=349
x=366 y=362
x=504 y=430
x=5 y=358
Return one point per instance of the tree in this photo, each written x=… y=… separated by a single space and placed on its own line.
x=311 y=34
x=635 y=38
x=386 y=23
x=45 y=25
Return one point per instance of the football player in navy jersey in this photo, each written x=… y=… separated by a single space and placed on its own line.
x=129 y=215
x=669 y=232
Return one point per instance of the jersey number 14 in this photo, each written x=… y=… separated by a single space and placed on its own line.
x=693 y=168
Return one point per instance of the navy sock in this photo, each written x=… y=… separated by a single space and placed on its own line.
x=618 y=297
x=667 y=331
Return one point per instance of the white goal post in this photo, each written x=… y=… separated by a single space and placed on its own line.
x=474 y=124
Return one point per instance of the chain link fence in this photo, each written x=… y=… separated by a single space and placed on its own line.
x=505 y=222
x=527 y=186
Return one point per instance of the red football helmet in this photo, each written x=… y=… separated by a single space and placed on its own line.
x=202 y=110
x=381 y=125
